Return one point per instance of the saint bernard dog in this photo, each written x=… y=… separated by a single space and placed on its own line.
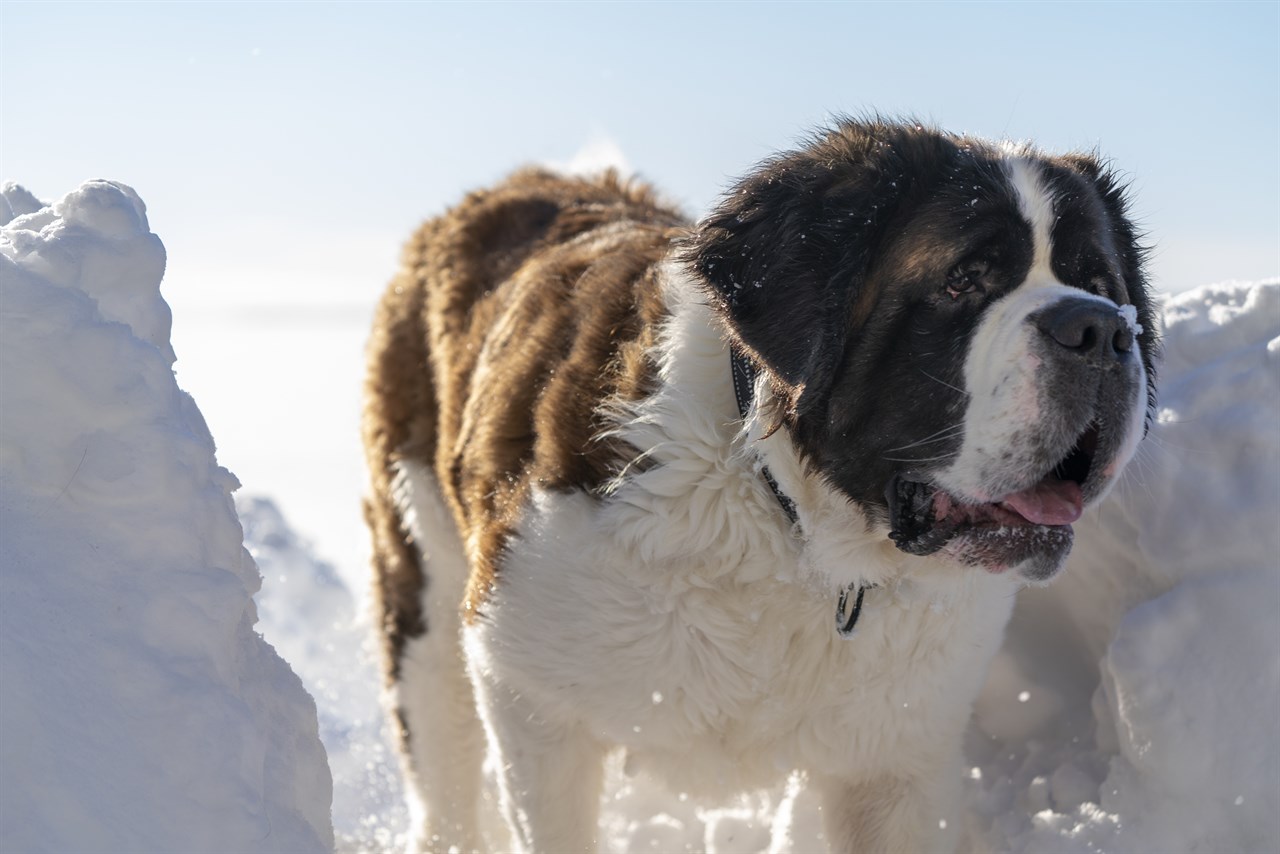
x=745 y=496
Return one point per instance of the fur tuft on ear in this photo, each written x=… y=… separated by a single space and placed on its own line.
x=784 y=256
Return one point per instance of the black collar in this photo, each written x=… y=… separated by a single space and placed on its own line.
x=744 y=380
x=744 y=383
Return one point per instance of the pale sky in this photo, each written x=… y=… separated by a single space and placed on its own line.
x=265 y=136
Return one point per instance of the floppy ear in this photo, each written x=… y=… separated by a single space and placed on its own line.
x=785 y=255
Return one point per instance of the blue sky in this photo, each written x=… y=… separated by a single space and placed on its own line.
x=262 y=135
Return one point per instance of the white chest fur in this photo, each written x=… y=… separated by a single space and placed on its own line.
x=732 y=681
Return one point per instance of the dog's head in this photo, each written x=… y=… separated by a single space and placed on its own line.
x=960 y=332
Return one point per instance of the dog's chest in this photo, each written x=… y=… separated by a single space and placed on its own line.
x=723 y=675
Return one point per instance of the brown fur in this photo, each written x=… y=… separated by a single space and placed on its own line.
x=485 y=359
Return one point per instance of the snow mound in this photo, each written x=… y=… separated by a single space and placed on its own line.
x=96 y=240
x=309 y=616
x=141 y=711
x=1200 y=660
x=1133 y=705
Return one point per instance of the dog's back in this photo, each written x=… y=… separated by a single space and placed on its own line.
x=498 y=319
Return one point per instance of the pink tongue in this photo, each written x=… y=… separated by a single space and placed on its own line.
x=1049 y=502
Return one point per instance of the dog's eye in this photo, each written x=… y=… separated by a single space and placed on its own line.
x=967 y=278
x=1100 y=284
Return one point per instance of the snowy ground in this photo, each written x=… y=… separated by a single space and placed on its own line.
x=1132 y=708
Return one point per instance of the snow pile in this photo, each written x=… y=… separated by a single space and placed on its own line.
x=308 y=615
x=1133 y=707
x=141 y=712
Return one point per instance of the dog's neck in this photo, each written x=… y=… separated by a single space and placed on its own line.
x=850 y=600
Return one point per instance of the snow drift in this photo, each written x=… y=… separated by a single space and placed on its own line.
x=310 y=617
x=140 y=710
x=1133 y=705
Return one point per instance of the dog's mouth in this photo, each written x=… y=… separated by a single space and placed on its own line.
x=1029 y=528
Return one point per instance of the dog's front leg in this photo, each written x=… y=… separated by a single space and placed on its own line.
x=890 y=815
x=549 y=773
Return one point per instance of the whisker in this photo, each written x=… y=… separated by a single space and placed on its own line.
x=930 y=439
x=1163 y=443
x=949 y=456
x=943 y=382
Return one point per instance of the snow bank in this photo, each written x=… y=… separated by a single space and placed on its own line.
x=140 y=710
x=1133 y=706
x=308 y=615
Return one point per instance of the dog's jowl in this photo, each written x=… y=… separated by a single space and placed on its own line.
x=782 y=468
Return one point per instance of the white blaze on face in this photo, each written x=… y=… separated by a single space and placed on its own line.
x=1002 y=375
x=1006 y=418
x=1036 y=204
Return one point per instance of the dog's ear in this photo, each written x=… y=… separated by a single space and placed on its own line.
x=785 y=255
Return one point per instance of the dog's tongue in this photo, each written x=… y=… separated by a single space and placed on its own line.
x=1049 y=502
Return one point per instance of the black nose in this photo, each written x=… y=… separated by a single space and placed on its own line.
x=1094 y=330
